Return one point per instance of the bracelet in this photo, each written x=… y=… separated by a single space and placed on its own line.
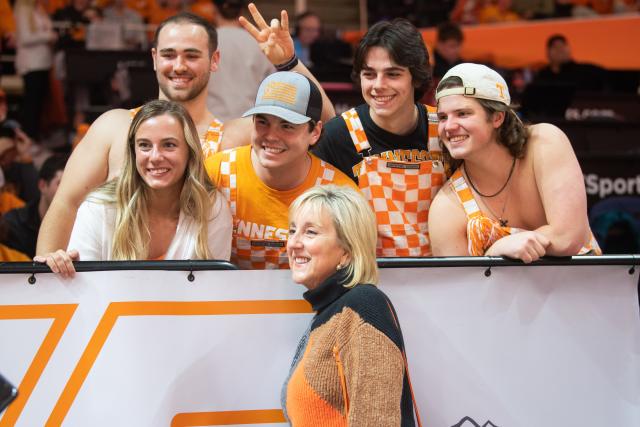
x=290 y=64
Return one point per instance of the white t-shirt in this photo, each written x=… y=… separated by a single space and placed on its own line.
x=234 y=86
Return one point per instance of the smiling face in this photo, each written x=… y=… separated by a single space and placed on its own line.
x=281 y=145
x=182 y=62
x=464 y=126
x=161 y=153
x=313 y=247
x=386 y=86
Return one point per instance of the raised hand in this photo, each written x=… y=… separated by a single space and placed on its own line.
x=274 y=39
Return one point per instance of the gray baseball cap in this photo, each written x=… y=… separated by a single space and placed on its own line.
x=290 y=96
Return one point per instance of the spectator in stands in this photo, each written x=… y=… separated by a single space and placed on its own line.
x=131 y=24
x=184 y=53
x=19 y=173
x=307 y=31
x=446 y=53
x=71 y=22
x=351 y=359
x=233 y=87
x=23 y=223
x=203 y=8
x=8 y=200
x=592 y=8
x=519 y=191
x=493 y=11
x=468 y=12
x=534 y=9
x=563 y=70
x=390 y=145
x=161 y=10
x=326 y=55
x=6 y=253
x=34 y=59
x=162 y=206
x=141 y=6
x=261 y=180
x=7 y=26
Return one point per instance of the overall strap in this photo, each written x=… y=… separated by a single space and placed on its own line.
x=433 y=140
x=462 y=190
x=356 y=131
x=229 y=178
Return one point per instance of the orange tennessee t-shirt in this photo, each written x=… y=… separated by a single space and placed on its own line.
x=260 y=213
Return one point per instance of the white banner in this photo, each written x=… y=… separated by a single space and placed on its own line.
x=527 y=346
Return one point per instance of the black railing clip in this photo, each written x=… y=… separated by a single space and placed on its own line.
x=487 y=272
x=191 y=277
x=32 y=279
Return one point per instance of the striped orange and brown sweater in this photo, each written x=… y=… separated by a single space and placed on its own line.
x=348 y=369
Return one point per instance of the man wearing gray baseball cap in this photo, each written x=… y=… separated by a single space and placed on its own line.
x=262 y=179
x=518 y=190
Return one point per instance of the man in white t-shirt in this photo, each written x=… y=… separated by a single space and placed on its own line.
x=232 y=89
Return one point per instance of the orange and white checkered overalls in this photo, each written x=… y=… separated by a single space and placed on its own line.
x=212 y=139
x=483 y=231
x=400 y=192
x=257 y=254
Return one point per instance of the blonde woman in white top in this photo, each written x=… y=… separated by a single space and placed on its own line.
x=162 y=206
x=34 y=57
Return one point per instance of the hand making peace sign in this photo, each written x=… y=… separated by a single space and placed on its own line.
x=275 y=39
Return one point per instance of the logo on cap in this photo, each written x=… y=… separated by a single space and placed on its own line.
x=280 y=92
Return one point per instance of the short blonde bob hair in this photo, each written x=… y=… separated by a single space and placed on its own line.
x=355 y=225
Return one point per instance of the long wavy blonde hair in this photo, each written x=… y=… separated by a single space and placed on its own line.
x=131 y=194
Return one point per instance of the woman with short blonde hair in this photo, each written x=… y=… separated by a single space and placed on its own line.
x=352 y=219
x=349 y=368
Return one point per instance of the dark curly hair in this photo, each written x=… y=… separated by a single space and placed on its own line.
x=404 y=43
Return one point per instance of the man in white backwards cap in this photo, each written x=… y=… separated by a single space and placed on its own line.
x=518 y=190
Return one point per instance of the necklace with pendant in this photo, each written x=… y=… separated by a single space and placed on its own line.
x=503 y=221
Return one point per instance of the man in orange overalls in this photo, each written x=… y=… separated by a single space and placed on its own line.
x=389 y=145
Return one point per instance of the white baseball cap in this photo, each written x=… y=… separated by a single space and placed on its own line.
x=478 y=81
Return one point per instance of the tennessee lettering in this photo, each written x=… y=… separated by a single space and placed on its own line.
x=412 y=156
x=254 y=231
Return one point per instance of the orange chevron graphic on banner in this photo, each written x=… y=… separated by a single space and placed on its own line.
x=225 y=418
x=164 y=308
x=61 y=315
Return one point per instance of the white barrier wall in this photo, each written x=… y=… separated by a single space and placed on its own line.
x=536 y=346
